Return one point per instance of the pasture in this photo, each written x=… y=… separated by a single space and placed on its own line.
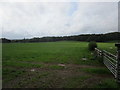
x=64 y=64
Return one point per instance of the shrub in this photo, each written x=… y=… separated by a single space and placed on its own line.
x=92 y=45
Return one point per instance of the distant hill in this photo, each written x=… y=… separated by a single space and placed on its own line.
x=114 y=36
x=4 y=40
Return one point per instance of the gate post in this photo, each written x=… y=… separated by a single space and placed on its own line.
x=118 y=62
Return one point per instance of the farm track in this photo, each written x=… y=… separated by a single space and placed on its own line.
x=57 y=78
x=66 y=65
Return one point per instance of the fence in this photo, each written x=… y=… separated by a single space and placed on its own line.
x=112 y=62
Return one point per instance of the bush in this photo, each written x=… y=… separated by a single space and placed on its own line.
x=92 y=45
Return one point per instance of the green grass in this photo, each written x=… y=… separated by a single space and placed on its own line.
x=59 y=52
x=22 y=65
x=11 y=73
x=107 y=83
x=18 y=57
x=110 y=47
x=32 y=80
x=75 y=82
x=96 y=70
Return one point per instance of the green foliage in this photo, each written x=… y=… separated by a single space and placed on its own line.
x=92 y=45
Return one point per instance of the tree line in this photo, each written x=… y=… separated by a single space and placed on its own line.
x=114 y=36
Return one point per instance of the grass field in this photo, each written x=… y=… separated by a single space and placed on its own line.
x=55 y=65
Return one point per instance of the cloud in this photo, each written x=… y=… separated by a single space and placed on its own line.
x=59 y=1
x=28 y=19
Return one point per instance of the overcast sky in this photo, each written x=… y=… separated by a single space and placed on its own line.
x=38 y=19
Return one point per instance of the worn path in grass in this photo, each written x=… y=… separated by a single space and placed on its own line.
x=55 y=65
x=57 y=75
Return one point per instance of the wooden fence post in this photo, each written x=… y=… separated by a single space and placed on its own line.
x=118 y=62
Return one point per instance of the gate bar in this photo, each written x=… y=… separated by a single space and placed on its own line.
x=118 y=62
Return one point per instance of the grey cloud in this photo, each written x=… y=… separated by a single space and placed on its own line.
x=21 y=20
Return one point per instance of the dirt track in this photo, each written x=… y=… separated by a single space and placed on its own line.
x=69 y=76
